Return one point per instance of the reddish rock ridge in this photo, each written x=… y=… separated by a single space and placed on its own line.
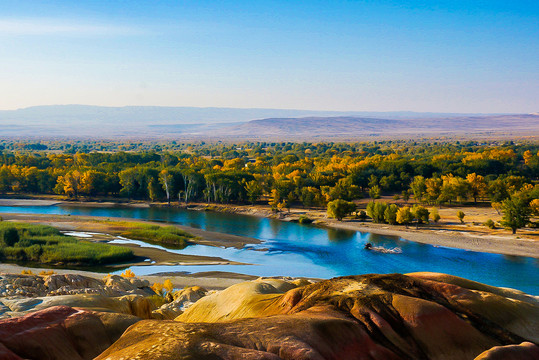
x=416 y=316
x=61 y=332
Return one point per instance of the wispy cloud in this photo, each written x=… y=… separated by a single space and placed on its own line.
x=62 y=27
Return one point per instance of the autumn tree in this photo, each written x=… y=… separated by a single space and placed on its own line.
x=70 y=183
x=478 y=186
x=404 y=216
x=274 y=200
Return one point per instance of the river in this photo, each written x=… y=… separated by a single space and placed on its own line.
x=291 y=249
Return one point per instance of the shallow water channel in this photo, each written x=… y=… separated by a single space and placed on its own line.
x=292 y=249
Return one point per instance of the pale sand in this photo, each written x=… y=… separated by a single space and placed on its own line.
x=449 y=238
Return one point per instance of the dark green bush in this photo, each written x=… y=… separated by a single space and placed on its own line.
x=490 y=224
x=305 y=220
x=10 y=236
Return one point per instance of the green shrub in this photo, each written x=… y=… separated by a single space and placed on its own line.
x=362 y=215
x=161 y=234
x=435 y=215
x=305 y=220
x=10 y=236
x=490 y=224
x=14 y=253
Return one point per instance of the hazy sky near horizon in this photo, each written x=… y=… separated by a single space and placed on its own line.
x=440 y=56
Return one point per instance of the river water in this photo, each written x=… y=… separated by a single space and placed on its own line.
x=291 y=249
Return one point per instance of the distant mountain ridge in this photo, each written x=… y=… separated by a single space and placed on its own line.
x=356 y=126
x=193 y=122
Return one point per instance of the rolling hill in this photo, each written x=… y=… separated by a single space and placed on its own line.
x=190 y=123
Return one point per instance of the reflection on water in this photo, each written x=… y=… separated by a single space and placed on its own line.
x=302 y=250
x=339 y=235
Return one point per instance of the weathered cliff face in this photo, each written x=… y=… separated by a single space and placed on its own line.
x=419 y=316
x=61 y=332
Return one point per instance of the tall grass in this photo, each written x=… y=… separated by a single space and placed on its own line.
x=45 y=244
x=153 y=233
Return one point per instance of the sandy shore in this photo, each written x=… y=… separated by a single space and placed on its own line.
x=448 y=233
x=450 y=238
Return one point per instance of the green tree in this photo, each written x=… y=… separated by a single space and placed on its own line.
x=390 y=214
x=153 y=189
x=374 y=192
x=128 y=180
x=339 y=208
x=405 y=195
x=376 y=211
x=253 y=190
x=516 y=213
x=420 y=214
x=418 y=187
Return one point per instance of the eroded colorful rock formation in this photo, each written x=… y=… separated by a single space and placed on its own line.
x=416 y=316
x=61 y=332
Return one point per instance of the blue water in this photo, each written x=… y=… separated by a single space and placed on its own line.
x=292 y=249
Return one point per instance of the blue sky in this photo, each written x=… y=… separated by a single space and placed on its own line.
x=441 y=56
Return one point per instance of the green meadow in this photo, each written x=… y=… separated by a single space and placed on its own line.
x=46 y=244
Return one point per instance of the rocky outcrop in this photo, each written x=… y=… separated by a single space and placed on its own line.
x=416 y=316
x=136 y=305
x=60 y=333
x=524 y=351
x=71 y=284
x=180 y=301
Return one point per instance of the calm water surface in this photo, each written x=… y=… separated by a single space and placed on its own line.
x=293 y=249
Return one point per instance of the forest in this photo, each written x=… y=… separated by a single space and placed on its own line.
x=281 y=174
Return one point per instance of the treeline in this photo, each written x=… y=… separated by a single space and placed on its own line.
x=284 y=174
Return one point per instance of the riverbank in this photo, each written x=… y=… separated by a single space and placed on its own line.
x=449 y=232
x=144 y=256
